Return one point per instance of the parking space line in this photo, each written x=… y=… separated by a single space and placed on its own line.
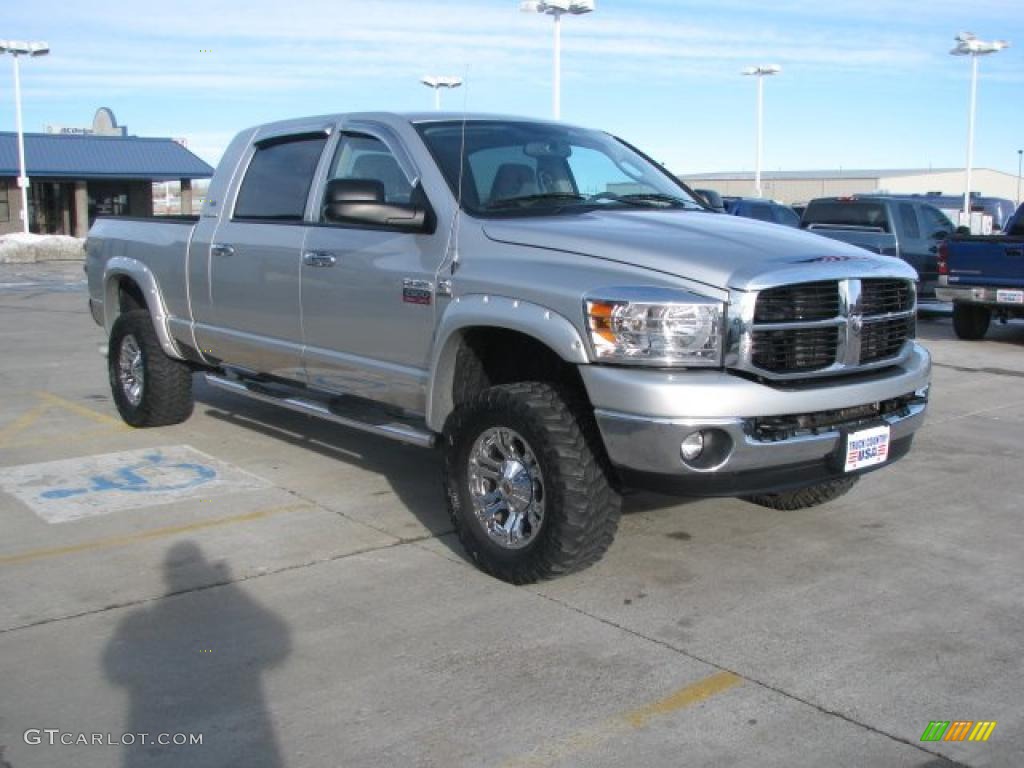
x=156 y=533
x=592 y=737
x=81 y=410
x=23 y=422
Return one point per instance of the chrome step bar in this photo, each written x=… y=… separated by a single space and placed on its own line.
x=395 y=430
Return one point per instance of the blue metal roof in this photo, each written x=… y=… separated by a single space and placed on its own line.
x=100 y=157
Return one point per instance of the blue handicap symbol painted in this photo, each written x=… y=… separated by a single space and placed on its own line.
x=130 y=479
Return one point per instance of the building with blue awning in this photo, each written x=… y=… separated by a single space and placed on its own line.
x=75 y=177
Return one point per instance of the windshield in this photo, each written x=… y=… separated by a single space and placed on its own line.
x=530 y=169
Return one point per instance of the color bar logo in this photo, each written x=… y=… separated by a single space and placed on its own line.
x=958 y=730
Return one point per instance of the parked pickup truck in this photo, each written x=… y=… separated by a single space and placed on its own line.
x=983 y=276
x=473 y=282
x=909 y=228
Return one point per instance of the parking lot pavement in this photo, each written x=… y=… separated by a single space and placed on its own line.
x=292 y=592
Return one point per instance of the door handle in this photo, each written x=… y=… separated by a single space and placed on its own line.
x=221 y=249
x=319 y=259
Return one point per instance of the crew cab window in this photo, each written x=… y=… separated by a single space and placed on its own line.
x=278 y=179
x=908 y=221
x=366 y=157
x=935 y=221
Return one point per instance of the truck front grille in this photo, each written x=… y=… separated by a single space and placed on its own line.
x=805 y=301
x=805 y=349
x=828 y=327
x=884 y=338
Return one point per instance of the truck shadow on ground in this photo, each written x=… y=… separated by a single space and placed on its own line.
x=193 y=663
x=414 y=474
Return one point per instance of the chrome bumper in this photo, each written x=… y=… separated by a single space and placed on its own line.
x=724 y=406
x=974 y=295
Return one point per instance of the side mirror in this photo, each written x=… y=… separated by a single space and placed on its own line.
x=361 y=201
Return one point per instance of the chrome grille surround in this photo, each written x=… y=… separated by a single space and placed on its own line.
x=866 y=337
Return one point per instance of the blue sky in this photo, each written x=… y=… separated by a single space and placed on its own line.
x=866 y=83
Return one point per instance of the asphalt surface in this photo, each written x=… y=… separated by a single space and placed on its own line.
x=316 y=610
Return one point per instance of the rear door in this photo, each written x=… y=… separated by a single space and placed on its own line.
x=252 y=319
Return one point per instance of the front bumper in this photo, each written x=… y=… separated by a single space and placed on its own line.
x=738 y=457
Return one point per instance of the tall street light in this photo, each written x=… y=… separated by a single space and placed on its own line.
x=760 y=73
x=1020 y=162
x=437 y=82
x=555 y=9
x=21 y=48
x=969 y=45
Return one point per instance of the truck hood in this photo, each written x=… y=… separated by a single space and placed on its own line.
x=714 y=249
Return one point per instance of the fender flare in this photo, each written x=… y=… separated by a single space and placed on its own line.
x=122 y=266
x=485 y=311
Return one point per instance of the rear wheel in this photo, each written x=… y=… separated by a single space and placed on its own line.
x=802 y=498
x=150 y=389
x=970 y=322
x=527 y=488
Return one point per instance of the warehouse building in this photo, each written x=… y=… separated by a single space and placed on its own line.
x=75 y=177
x=800 y=186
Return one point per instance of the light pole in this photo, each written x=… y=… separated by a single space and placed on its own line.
x=21 y=48
x=969 y=45
x=437 y=82
x=760 y=73
x=1020 y=158
x=555 y=9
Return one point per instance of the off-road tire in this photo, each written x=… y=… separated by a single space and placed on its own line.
x=167 y=383
x=970 y=322
x=802 y=498
x=582 y=509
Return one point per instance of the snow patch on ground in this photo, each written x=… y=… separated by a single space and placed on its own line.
x=24 y=247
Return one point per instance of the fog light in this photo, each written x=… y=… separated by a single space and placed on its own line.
x=692 y=446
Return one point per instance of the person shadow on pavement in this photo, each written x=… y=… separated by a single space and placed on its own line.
x=192 y=662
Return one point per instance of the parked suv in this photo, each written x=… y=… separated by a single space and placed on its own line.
x=762 y=210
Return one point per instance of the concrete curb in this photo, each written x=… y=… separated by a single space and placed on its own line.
x=41 y=249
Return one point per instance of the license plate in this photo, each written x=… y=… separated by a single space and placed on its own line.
x=1010 y=297
x=867 y=448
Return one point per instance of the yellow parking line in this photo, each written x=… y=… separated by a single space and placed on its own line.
x=591 y=738
x=156 y=533
x=23 y=422
x=81 y=410
x=64 y=437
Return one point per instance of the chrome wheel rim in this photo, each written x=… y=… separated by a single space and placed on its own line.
x=506 y=487
x=130 y=370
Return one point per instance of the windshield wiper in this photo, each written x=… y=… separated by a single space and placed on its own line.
x=653 y=198
x=507 y=202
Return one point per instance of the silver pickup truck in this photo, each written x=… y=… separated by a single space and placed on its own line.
x=549 y=306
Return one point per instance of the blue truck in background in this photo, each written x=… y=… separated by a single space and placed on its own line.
x=983 y=276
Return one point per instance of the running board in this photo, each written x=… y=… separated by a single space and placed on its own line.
x=393 y=429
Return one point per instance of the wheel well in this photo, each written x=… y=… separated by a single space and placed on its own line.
x=129 y=296
x=488 y=357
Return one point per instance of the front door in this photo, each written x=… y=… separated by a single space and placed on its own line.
x=368 y=292
x=252 y=318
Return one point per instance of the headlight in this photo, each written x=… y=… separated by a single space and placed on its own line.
x=654 y=326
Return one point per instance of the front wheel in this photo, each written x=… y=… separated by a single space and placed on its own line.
x=527 y=488
x=970 y=321
x=802 y=498
x=150 y=389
